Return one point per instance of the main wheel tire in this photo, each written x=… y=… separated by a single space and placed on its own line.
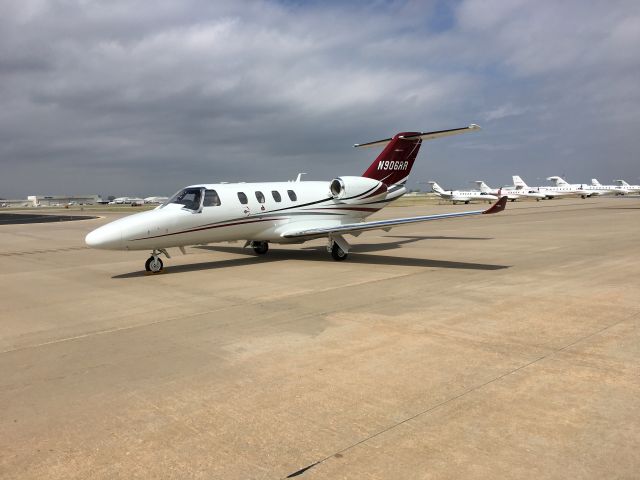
x=337 y=253
x=153 y=265
x=260 y=248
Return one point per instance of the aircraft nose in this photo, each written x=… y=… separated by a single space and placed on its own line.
x=107 y=237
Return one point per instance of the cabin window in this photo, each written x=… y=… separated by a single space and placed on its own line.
x=190 y=198
x=276 y=196
x=292 y=195
x=243 y=198
x=260 y=197
x=211 y=198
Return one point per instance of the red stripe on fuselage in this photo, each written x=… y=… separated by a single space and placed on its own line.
x=210 y=227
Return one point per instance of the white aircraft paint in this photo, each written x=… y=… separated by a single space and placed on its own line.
x=278 y=212
x=461 y=196
x=513 y=193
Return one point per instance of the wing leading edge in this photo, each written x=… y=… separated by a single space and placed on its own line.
x=388 y=224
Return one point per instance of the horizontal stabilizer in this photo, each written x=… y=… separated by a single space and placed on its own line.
x=422 y=136
x=558 y=181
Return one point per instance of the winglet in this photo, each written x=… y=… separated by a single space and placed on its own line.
x=498 y=206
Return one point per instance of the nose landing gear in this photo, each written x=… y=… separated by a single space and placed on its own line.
x=154 y=262
x=153 y=265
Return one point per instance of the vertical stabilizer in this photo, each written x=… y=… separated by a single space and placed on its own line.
x=484 y=188
x=518 y=182
x=394 y=164
x=435 y=187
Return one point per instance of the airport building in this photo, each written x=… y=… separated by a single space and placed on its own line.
x=61 y=200
x=52 y=201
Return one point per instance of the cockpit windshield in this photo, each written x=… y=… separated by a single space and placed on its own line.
x=191 y=198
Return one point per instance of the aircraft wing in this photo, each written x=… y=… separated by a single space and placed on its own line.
x=356 y=228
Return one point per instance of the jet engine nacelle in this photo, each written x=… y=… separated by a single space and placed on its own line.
x=355 y=189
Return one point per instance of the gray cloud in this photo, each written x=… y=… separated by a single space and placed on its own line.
x=145 y=97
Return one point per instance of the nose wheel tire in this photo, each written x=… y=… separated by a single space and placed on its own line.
x=337 y=253
x=260 y=248
x=153 y=265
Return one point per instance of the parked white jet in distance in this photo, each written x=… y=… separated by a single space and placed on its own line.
x=618 y=189
x=596 y=190
x=560 y=188
x=512 y=193
x=626 y=187
x=461 y=196
x=158 y=200
x=279 y=212
x=126 y=201
x=546 y=192
x=524 y=189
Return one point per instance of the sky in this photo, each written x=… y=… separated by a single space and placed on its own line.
x=144 y=97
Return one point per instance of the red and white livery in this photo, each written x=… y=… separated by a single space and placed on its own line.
x=278 y=212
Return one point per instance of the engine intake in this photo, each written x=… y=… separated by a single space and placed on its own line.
x=337 y=188
x=355 y=189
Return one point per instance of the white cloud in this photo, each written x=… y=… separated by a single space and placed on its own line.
x=206 y=88
x=504 y=111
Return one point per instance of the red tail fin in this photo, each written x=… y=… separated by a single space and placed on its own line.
x=394 y=163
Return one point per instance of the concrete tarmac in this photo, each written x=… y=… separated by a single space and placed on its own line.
x=502 y=346
x=21 y=218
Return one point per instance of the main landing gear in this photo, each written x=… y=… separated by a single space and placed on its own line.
x=154 y=262
x=338 y=247
x=337 y=253
x=260 y=248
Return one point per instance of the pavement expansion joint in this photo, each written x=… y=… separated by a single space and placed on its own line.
x=460 y=395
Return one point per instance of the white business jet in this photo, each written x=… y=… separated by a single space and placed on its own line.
x=596 y=190
x=618 y=189
x=626 y=187
x=540 y=192
x=512 y=193
x=560 y=188
x=278 y=212
x=522 y=189
x=462 y=196
x=126 y=201
x=158 y=200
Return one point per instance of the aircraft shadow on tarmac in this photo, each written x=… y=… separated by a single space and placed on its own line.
x=319 y=254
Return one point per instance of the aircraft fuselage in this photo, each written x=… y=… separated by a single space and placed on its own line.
x=252 y=211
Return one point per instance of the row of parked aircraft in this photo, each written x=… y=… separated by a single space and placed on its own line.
x=519 y=190
x=138 y=201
